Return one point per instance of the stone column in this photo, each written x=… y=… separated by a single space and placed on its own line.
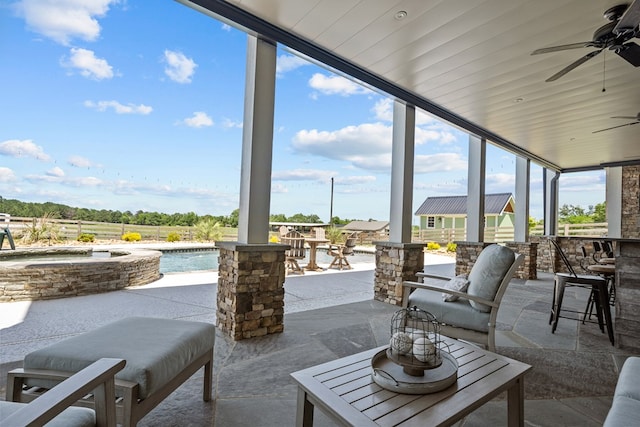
x=395 y=263
x=467 y=254
x=250 y=289
x=630 y=218
x=528 y=270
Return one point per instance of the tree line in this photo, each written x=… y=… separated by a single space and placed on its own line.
x=59 y=211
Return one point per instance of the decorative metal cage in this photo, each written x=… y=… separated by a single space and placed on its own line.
x=415 y=342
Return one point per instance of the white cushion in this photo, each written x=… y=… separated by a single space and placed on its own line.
x=458 y=283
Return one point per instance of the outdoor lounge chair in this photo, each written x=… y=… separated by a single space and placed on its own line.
x=296 y=251
x=5 y=232
x=340 y=252
x=54 y=407
x=470 y=315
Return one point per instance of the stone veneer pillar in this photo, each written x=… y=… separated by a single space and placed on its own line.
x=250 y=289
x=630 y=215
x=395 y=263
x=528 y=270
x=467 y=254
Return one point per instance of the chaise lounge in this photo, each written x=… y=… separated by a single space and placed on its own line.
x=161 y=354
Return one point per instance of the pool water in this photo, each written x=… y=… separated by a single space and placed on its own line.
x=179 y=262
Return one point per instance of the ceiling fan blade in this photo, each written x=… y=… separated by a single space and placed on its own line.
x=630 y=52
x=615 y=127
x=630 y=20
x=561 y=47
x=573 y=65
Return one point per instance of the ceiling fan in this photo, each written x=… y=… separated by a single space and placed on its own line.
x=636 y=118
x=624 y=25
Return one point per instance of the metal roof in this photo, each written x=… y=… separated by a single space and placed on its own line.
x=494 y=204
x=366 y=225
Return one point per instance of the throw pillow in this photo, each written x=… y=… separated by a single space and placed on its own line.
x=458 y=283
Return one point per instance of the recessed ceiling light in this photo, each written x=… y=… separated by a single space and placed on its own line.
x=400 y=15
x=517 y=100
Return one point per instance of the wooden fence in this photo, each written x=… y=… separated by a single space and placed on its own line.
x=70 y=230
x=506 y=234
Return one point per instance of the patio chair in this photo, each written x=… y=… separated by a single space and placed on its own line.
x=320 y=233
x=5 y=232
x=296 y=251
x=599 y=293
x=54 y=408
x=466 y=308
x=341 y=252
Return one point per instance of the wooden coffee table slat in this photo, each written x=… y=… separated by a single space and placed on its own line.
x=345 y=391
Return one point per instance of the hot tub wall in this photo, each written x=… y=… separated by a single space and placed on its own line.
x=48 y=280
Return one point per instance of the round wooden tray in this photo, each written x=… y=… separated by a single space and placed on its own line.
x=391 y=376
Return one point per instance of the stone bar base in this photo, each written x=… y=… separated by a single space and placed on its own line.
x=250 y=289
x=395 y=263
x=467 y=254
x=627 y=313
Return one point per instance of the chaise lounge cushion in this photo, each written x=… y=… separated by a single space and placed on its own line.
x=487 y=273
x=156 y=350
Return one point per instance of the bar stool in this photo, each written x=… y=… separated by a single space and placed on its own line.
x=598 y=287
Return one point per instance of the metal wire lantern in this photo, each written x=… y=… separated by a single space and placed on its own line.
x=415 y=342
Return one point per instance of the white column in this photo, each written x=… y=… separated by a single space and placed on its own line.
x=257 y=141
x=475 y=188
x=613 y=198
x=550 y=183
x=523 y=179
x=402 y=157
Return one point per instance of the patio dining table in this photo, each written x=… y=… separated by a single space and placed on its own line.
x=313 y=248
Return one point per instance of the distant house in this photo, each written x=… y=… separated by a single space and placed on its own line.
x=368 y=229
x=451 y=212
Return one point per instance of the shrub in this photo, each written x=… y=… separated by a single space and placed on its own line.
x=131 y=237
x=42 y=229
x=334 y=235
x=86 y=238
x=173 y=237
x=274 y=239
x=451 y=247
x=208 y=229
x=433 y=246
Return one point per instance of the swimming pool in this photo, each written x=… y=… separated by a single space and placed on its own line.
x=183 y=261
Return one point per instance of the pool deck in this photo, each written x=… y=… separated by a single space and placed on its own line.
x=328 y=315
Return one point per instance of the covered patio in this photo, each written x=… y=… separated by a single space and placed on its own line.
x=329 y=316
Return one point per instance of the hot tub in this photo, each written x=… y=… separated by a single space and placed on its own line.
x=47 y=273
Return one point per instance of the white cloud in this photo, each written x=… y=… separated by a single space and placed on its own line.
x=427 y=128
x=80 y=162
x=277 y=187
x=336 y=85
x=63 y=20
x=366 y=146
x=500 y=182
x=354 y=180
x=230 y=124
x=85 y=181
x=179 y=68
x=6 y=174
x=286 y=63
x=88 y=65
x=24 y=148
x=439 y=162
x=119 y=108
x=303 y=175
x=226 y=27
x=198 y=120
x=56 y=171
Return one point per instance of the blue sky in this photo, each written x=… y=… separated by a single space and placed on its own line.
x=123 y=105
